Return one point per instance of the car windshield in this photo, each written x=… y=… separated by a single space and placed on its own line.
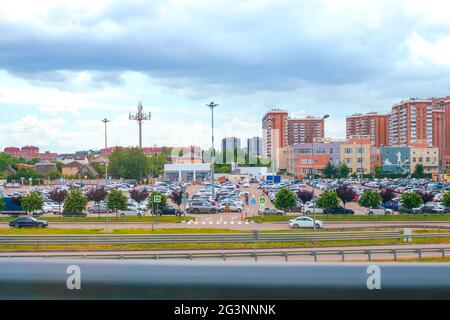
x=224 y=150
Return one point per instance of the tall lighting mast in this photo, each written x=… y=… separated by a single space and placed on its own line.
x=212 y=105
x=140 y=117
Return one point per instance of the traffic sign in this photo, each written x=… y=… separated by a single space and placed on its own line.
x=262 y=200
x=157 y=199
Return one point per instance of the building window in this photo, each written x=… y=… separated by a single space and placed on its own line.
x=348 y=150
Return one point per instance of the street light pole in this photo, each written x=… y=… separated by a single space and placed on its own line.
x=106 y=121
x=140 y=116
x=443 y=144
x=361 y=152
x=313 y=174
x=212 y=105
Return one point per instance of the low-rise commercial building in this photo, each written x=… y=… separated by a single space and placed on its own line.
x=187 y=172
x=356 y=154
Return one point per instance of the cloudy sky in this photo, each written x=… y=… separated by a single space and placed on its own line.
x=65 y=65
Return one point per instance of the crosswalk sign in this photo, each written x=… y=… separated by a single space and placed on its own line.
x=262 y=200
x=157 y=199
x=253 y=201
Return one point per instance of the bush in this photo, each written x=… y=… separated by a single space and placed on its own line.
x=446 y=199
x=75 y=202
x=369 y=199
x=328 y=200
x=32 y=202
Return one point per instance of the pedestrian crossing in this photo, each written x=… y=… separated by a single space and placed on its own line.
x=217 y=222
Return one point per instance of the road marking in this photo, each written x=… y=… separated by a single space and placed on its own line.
x=203 y=222
x=232 y=222
x=239 y=222
x=189 y=222
x=224 y=222
x=195 y=222
x=210 y=222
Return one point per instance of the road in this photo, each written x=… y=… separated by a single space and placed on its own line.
x=321 y=258
x=236 y=224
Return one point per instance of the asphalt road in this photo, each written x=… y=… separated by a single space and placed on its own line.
x=321 y=258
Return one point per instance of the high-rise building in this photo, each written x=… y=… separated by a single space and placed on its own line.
x=274 y=126
x=280 y=131
x=437 y=126
x=254 y=146
x=372 y=124
x=230 y=144
x=411 y=121
x=304 y=130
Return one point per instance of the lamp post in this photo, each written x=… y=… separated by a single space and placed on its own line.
x=212 y=105
x=361 y=172
x=272 y=149
x=313 y=174
x=106 y=121
x=443 y=144
x=140 y=117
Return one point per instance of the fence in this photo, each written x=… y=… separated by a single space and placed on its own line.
x=102 y=279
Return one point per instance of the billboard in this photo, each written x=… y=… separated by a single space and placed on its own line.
x=395 y=160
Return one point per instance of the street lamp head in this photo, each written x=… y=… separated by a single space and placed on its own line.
x=212 y=105
x=442 y=102
x=326 y=116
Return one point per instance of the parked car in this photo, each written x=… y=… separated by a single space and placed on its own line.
x=432 y=209
x=169 y=210
x=270 y=212
x=98 y=209
x=232 y=207
x=131 y=210
x=28 y=222
x=201 y=207
x=379 y=210
x=338 y=210
x=308 y=209
x=305 y=222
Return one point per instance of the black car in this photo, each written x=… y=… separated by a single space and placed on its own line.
x=28 y=222
x=338 y=210
x=169 y=210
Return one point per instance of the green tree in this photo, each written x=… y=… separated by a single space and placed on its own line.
x=75 y=202
x=330 y=171
x=32 y=202
x=129 y=163
x=419 y=169
x=2 y=203
x=410 y=200
x=116 y=200
x=377 y=170
x=156 y=164
x=160 y=205
x=328 y=200
x=285 y=199
x=369 y=199
x=446 y=199
x=344 y=170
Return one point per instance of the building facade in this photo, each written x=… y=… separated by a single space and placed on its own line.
x=254 y=146
x=230 y=144
x=30 y=152
x=372 y=124
x=304 y=130
x=356 y=154
x=274 y=135
x=411 y=121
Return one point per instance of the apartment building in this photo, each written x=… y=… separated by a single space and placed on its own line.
x=275 y=131
x=279 y=130
x=356 y=154
x=411 y=121
x=304 y=130
x=230 y=144
x=404 y=159
x=254 y=146
x=372 y=124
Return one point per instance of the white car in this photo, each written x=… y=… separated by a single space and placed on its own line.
x=132 y=210
x=305 y=222
x=246 y=185
x=309 y=209
x=233 y=207
x=379 y=210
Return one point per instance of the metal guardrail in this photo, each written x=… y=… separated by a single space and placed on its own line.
x=344 y=254
x=100 y=279
x=193 y=238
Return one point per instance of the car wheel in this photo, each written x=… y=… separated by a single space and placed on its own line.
x=222 y=210
x=17 y=226
x=296 y=226
x=370 y=212
x=239 y=210
x=196 y=211
x=213 y=211
x=318 y=226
